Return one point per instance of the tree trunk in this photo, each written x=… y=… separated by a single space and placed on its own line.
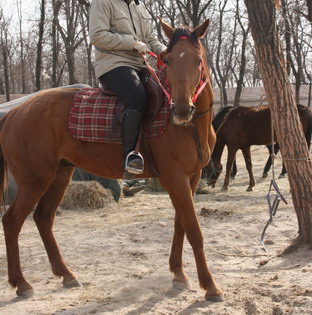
x=309 y=5
x=39 y=46
x=22 y=57
x=55 y=46
x=287 y=125
x=4 y=47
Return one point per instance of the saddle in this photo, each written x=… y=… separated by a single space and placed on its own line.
x=154 y=94
x=96 y=114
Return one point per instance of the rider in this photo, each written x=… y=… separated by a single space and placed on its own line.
x=120 y=31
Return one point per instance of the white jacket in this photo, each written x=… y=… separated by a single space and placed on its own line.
x=114 y=26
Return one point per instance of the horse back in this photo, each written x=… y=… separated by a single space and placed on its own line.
x=245 y=126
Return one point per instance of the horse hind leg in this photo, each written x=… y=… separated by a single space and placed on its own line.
x=44 y=217
x=13 y=220
x=247 y=157
x=229 y=164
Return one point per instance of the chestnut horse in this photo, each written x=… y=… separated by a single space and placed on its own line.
x=242 y=127
x=41 y=155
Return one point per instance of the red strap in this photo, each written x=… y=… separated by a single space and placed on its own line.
x=160 y=63
x=200 y=89
x=154 y=75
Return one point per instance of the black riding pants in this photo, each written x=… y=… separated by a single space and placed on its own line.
x=126 y=84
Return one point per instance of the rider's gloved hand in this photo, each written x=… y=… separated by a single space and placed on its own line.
x=140 y=47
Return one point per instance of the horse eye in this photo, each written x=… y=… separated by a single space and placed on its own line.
x=166 y=62
x=199 y=61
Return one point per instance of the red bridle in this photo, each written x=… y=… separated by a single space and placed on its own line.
x=160 y=64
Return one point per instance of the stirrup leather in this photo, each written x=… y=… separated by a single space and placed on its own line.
x=130 y=169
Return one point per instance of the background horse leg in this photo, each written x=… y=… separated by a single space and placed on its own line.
x=234 y=170
x=229 y=163
x=247 y=157
x=180 y=193
x=13 y=221
x=44 y=217
x=269 y=161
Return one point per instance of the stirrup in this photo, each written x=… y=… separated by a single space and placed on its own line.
x=134 y=170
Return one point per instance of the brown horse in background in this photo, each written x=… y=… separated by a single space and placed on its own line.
x=242 y=127
x=41 y=155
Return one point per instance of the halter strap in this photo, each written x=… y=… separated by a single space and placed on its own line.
x=199 y=89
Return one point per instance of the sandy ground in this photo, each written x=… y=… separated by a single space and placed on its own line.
x=120 y=254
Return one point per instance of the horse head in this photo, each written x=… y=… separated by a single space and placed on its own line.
x=186 y=69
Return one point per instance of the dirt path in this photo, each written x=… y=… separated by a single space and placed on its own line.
x=120 y=254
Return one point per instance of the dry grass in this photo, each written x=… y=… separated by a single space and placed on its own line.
x=86 y=195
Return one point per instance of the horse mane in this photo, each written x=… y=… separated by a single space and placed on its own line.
x=221 y=116
x=187 y=32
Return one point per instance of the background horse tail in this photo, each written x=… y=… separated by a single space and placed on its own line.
x=3 y=172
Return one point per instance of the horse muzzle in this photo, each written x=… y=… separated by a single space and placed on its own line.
x=182 y=115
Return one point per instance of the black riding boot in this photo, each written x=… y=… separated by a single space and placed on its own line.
x=131 y=125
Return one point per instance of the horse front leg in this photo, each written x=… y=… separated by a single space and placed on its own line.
x=180 y=192
x=180 y=279
x=247 y=157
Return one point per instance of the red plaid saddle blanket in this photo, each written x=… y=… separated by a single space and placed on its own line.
x=93 y=118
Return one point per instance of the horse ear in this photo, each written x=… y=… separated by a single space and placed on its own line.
x=201 y=29
x=166 y=27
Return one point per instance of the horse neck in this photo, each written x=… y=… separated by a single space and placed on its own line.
x=219 y=118
x=218 y=150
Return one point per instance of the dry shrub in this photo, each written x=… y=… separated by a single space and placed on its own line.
x=83 y=195
x=154 y=185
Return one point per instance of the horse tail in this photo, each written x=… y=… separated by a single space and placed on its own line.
x=3 y=172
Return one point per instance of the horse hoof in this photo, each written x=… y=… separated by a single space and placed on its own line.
x=264 y=175
x=181 y=285
x=72 y=284
x=281 y=176
x=25 y=294
x=224 y=188
x=249 y=189
x=214 y=297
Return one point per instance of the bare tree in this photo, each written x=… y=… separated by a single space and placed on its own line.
x=224 y=53
x=21 y=41
x=262 y=18
x=242 y=67
x=193 y=10
x=92 y=80
x=71 y=34
x=39 y=46
x=4 y=42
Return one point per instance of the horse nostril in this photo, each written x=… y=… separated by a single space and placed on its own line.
x=192 y=109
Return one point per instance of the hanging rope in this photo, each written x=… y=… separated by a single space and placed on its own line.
x=274 y=200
